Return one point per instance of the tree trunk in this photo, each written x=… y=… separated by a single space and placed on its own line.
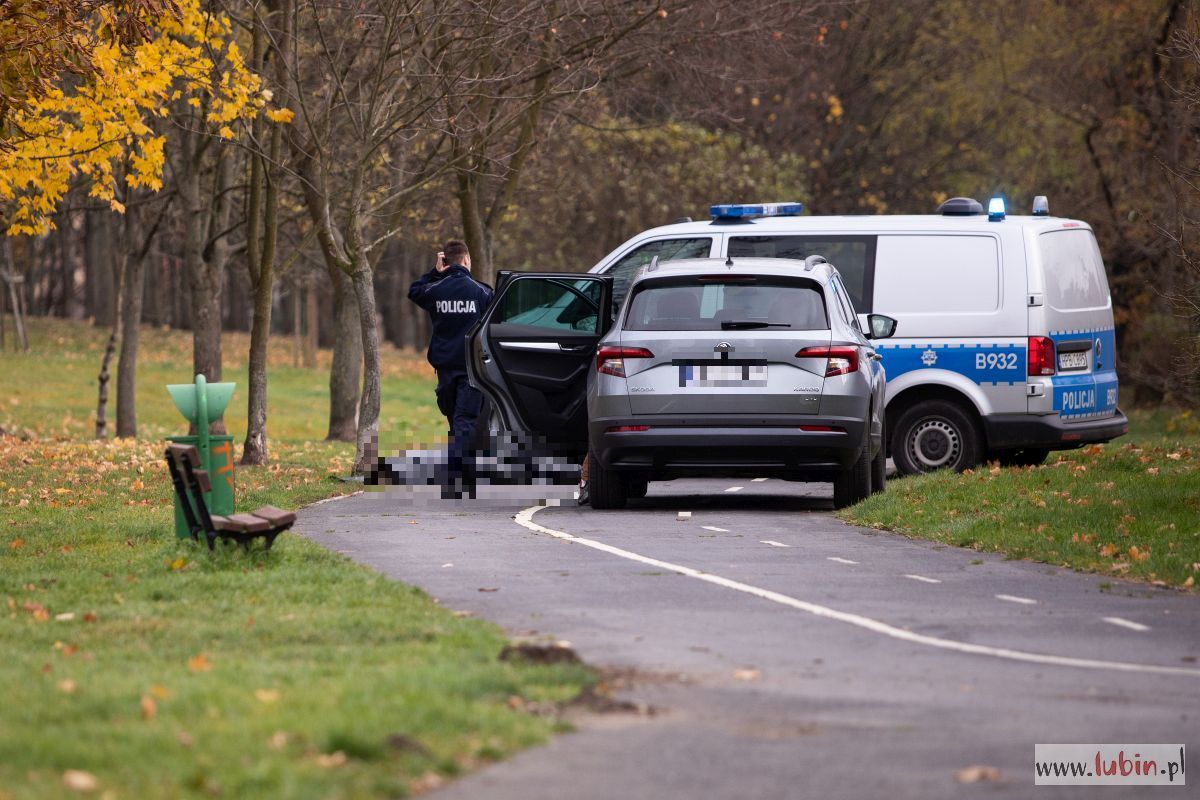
x=474 y=230
x=254 y=451
x=131 y=317
x=367 y=445
x=347 y=361
x=102 y=394
x=311 y=322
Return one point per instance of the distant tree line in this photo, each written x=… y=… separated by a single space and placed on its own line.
x=367 y=132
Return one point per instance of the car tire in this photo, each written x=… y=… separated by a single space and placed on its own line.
x=605 y=486
x=879 y=464
x=933 y=435
x=1027 y=457
x=854 y=484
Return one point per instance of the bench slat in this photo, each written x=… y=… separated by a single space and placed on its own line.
x=188 y=451
x=202 y=479
x=275 y=516
x=250 y=523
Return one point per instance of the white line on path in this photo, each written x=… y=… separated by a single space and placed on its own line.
x=1026 y=601
x=774 y=544
x=923 y=579
x=714 y=528
x=842 y=560
x=757 y=480
x=1124 y=623
x=524 y=518
x=735 y=488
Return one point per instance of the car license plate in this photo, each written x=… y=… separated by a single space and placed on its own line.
x=722 y=375
x=1075 y=360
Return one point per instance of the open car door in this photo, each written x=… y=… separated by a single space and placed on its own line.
x=534 y=348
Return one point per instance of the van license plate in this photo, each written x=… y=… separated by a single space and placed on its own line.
x=721 y=375
x=1076 y=360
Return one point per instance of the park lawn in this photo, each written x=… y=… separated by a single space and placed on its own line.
x=1129 y=508
x=163 y=671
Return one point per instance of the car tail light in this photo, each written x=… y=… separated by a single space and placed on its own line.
x=1041 y=355
x=611 y=360
x=822 y=429
x=842 y=360
x=627 y=429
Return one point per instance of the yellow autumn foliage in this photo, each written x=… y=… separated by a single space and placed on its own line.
x=91 y=128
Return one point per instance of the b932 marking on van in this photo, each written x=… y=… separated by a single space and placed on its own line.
x=981 y=362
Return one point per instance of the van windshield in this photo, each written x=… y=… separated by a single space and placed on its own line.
x=704 y=303
x=1073 y=270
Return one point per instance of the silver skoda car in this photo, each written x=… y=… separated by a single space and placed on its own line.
x=743 y=367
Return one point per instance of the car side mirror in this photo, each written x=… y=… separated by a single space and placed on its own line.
x=882 y=327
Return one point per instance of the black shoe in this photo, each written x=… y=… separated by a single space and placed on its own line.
x=585 y=497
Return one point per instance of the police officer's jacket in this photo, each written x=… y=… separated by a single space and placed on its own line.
x=455 y=301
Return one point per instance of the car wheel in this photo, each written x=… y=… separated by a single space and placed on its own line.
x=636 y=488
x=1028 y=457
x=854 y=484
x=605 y=486
x=934 y=435
x=879 y=464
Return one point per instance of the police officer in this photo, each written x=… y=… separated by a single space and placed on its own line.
x=455 y=302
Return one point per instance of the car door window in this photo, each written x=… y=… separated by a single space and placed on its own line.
x=666 y=249
x=556 y=304
x=843 y=302
x=854 y=257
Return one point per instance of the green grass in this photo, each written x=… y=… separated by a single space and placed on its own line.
x=1130 y=508
x=164 y=671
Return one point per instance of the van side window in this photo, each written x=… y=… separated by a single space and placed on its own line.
x=854 y=257
x=666 y=250
x=931 y=274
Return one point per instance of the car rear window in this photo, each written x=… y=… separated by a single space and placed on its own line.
x=713 y=303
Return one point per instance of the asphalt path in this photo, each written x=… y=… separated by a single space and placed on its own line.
x=785 y=654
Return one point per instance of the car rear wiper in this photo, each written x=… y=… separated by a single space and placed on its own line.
x=747 y=324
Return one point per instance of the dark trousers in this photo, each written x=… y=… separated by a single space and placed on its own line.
x=460 y=403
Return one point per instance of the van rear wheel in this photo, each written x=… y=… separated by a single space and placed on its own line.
x=933 y=435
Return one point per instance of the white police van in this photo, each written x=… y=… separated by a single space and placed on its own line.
x=1005 y=344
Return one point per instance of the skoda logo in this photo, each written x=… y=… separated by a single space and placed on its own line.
x=1099 y=347
x=724 y=347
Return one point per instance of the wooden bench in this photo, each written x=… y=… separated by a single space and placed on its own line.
x=191 y=482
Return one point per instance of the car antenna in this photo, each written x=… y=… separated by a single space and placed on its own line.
x=729 y=261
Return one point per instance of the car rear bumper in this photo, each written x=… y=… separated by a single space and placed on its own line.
x=1015 y=431
x=724 y=445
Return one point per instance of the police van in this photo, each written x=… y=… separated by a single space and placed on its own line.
x=1004 y=347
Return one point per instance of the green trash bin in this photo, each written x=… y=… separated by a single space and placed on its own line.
x=202 y=403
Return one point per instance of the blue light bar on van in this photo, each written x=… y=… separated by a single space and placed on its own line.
x=1041 y=206
x=750 y=211
x=996 y=209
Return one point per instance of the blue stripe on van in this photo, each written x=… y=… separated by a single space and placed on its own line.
x=981 y=362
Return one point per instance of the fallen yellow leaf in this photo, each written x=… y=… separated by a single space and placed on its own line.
x=200 y=663
x=267 y=695
x=149 y=708
x=79 y=781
